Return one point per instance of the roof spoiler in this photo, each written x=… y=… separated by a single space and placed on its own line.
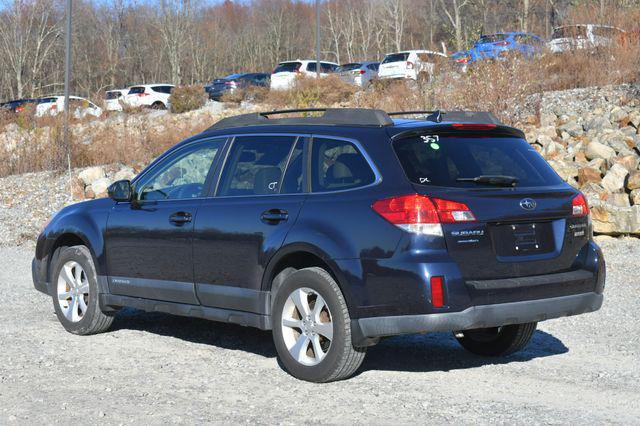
x=438 y=116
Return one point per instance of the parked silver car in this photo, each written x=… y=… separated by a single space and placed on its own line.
x=358 y=73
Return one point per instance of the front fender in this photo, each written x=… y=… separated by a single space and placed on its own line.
x=85 y=221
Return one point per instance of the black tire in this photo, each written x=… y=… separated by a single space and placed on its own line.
x=158 y=105
x=497 y=341
x=342 y=359
x=93 y=320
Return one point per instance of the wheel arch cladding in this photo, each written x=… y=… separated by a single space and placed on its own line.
x=299 y=256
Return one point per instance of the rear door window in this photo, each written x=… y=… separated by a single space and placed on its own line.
x=395 y=57
x=338 y=165
x=441 y=161
x=255 y=165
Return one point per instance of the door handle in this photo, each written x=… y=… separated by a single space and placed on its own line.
x=274 y=216
x=180 y=218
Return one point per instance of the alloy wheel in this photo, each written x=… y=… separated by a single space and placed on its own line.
x=73 y=291
x=307 y=326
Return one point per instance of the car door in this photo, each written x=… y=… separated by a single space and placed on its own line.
x=149 y=240
x=258 y=198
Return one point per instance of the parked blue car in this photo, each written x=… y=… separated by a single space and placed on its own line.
x=501 y=45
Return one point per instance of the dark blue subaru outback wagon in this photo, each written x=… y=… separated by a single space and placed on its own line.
x=333 y=229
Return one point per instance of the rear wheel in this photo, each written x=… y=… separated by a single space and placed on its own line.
x=497 y=341
x=158 y=105
x=75 y=292
x=312 y=328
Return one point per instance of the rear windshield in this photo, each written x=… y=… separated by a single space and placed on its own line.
x=395 y=57
x=112 y=95
x=493 y=38
x=349 y=67
x=287 y=67
x=136 y=90
x=440 y=161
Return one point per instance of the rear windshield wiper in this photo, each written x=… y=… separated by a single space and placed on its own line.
x=497 y=180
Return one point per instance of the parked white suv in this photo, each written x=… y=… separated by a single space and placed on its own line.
x=113 y=98
x=284 y=75
x=583 y=36
x=410 y=64
x=149 y=95
x=78 y=107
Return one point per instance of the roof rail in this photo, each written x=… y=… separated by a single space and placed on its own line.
x=331 y=117
x=438 y=116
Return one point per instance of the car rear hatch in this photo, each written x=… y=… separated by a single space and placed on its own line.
x=393 y=65
x=525 y=226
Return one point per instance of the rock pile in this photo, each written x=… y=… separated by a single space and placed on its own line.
x=93 y=182
x=591 y=137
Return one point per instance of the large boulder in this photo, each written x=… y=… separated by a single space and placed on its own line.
x=597 y=123
x=629 y=162
x=99 y=187
x=124 y=173
x=572 y=128
x=634 y=180
x=608 y=219
x=567 y=170
x=614 y=180
x=92 y=174
x=595 y=149
x=589 y=174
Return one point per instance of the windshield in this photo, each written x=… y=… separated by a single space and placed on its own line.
x=441 y=161
x=395 y=57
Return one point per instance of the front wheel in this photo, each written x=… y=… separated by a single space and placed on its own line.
x=497 y=341
x=75 y=292
x=312 y=328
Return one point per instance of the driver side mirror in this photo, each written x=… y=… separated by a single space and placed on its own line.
x=120 y=191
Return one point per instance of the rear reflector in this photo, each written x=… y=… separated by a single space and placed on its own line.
x=580 y=206
x=437 y=291
x=420 y=214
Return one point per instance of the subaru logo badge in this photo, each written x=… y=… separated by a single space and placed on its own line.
x=527 y=204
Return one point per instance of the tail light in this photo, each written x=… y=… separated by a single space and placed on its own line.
x=420 y=214
x=141 y=95
x=580 y=206
x=464 y=60
x=230 y=83
x=437 y=291
x=409 y=65
x=19 y=109
x=502 y=43
x=361 y=72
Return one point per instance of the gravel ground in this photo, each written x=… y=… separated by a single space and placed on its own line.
x=154 y=368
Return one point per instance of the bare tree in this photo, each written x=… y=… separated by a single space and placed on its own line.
x=28 y=33
x=453 y=13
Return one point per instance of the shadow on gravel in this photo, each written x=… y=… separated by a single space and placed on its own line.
x=222 y=335
x=420 y=352
x=441 y=352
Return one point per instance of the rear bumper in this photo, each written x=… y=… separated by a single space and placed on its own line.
x=481 y=316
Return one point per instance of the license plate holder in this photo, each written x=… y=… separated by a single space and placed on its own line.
x=523 y=239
